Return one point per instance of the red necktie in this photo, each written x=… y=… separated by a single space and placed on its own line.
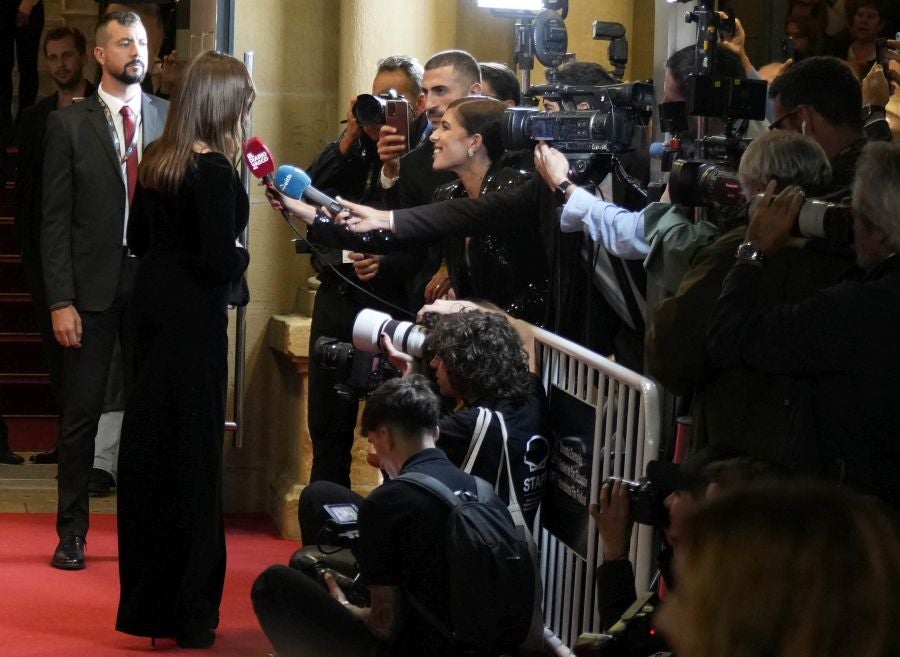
x=131 y=164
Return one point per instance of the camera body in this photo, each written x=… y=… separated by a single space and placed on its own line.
x=388 y=108
x=586 y=137
x=608 y=129
x=362 y=366
x=646 y=501
x=341 y=565
x=633 y=635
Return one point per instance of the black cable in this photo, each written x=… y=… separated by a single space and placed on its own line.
x=287 y=217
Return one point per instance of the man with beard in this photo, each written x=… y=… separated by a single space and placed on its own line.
x=91 y=156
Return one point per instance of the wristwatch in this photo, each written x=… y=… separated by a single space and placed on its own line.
x=560 y=190
x=749 y=252
x=869 y=110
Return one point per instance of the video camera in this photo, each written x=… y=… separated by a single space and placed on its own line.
x=633 y=635
x=581 y=135
x=362 y=366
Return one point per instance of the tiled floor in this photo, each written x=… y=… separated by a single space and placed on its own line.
x=31 y=488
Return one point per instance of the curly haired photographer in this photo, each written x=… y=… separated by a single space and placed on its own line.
x=479 y=362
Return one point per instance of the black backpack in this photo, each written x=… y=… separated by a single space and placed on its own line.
x=493 y=580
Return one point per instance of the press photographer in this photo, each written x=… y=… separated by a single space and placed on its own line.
x=732 y=405
x=406 y=557
x=499 y=428
x=352 y=280
x=666 y=498
x=842 y=341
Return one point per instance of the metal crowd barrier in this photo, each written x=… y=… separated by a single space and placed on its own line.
x=626 y=437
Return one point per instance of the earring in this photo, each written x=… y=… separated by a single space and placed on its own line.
x=803 y=127
x=470 y=152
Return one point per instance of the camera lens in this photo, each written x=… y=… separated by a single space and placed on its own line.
x=516 y=134
x=369 y=109
x=329 y=353
x=370 y=324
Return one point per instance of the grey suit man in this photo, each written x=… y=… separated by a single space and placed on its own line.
x=88 y=270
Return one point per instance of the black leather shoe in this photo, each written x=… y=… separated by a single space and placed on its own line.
x=11 y=458
x=69 y=554
x=101 y=483
x=43 y=458
x=199 y=638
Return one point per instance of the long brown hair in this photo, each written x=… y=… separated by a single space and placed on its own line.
x=211 y=106
x=787 y=570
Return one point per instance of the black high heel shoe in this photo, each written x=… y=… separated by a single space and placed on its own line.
x=196 y=638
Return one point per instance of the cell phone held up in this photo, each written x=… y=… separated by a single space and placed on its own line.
x=388 y=108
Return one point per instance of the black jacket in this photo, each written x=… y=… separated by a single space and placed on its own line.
x=841 y=345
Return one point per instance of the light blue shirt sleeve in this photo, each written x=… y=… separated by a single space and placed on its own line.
x=620 y=231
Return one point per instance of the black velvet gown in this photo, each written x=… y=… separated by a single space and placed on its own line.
x=171 y=533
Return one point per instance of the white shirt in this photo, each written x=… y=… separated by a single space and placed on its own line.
x=115 y=107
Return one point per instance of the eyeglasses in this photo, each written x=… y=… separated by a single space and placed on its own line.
x=776 y=124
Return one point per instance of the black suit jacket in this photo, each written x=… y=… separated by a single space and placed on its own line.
x=32 y=129
x=418 y=179
x=84 y=201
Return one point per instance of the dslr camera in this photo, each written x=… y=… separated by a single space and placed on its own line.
x=334 y=553
x=633 y=635
x=646 y=501
x=821 y=219
x=362 y=366
x=388 y=108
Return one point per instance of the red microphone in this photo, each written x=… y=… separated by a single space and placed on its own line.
x=259 y=159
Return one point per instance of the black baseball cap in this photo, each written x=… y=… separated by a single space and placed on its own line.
x=689 y=475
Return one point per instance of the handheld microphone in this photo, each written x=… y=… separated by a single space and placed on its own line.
x=295 y=183
x=259 y=159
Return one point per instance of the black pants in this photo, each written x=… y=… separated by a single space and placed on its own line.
x=85 y=375
x=311 y=512
x=19 y=45
x=332 y=420
x=302 y=619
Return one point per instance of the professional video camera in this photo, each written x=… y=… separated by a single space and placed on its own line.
x=633 y=635
x=646 y=501
x=362 y=366
x=582 y=135
x=700 y=184
x=607 y=130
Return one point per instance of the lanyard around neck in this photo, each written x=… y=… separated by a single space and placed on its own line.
x=115 y=135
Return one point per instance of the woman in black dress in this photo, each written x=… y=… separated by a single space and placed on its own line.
x=189 y=209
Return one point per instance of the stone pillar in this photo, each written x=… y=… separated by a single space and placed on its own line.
x=373 y=29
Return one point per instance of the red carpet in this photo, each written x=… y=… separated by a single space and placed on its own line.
x=44 y=611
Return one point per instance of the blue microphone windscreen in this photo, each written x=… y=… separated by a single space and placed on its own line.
x=291 y=181
x=657 y=149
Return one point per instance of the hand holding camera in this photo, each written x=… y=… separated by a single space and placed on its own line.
x=774 y=218
x=612 y=514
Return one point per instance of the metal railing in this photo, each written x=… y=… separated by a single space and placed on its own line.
x=626 y=437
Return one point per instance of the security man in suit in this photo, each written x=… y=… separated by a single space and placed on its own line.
x=91 y=156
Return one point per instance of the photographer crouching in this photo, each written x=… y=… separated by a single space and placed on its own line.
x=842 y=341
x=406 y=556
x=402 y=550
